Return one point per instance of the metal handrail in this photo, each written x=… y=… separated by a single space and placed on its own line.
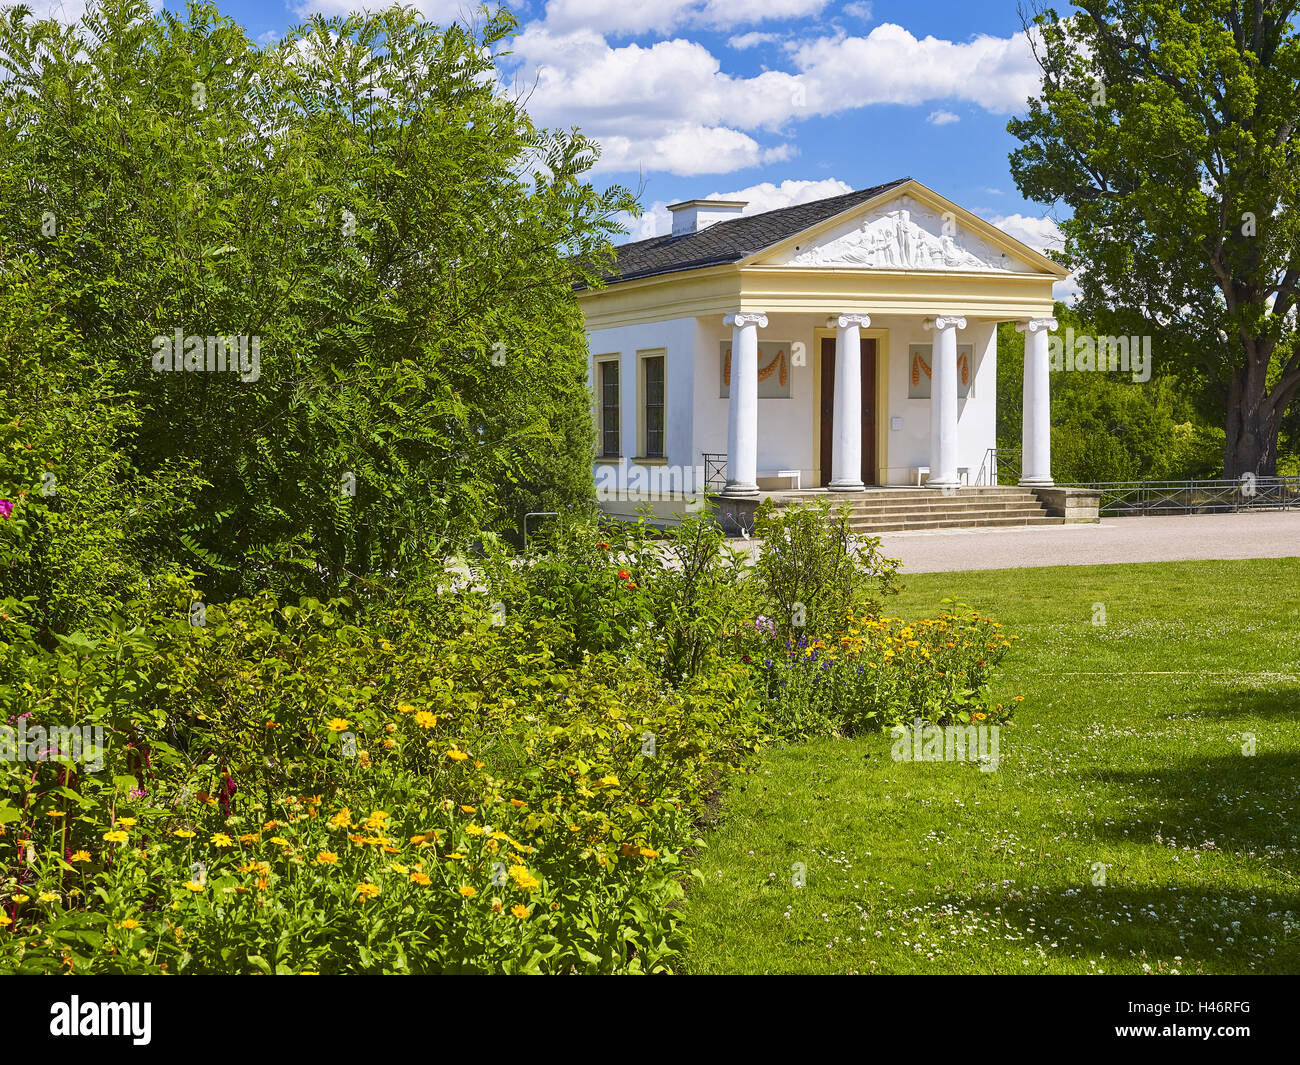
x=715 y=471
x=1194 y=496
x=999 y=461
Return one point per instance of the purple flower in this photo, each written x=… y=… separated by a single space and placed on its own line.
x=6 y=508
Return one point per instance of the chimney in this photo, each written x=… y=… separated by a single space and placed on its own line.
x=695 y=215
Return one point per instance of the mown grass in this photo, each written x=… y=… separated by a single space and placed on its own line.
x=1127 y=753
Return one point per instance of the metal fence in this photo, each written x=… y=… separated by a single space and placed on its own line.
x=1196 y=497
x=715 y=471
x=1001 y=466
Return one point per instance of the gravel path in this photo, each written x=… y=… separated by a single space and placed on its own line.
x=1263 y=534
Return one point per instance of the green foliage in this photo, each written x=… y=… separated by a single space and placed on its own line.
x=814 y=572
x=361 y=201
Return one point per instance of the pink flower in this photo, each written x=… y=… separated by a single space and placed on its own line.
x=6 y=508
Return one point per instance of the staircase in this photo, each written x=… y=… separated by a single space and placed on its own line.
x=880 y=510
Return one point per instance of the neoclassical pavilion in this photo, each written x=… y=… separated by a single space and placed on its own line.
x=841 y=344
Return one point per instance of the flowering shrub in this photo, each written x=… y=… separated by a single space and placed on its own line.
x=881 y=672
x=287 y=791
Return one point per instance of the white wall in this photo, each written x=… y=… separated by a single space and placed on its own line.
x=696 y=413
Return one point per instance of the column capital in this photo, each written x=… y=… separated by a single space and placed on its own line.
x=945 y=321
x=843 y=321
x=743 y=318
x=1033 y=325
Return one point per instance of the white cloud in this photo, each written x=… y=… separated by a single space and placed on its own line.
x=1041 y=234
x=752 y=40
x=859 y=9
x=890 y=65
x=641 y=95
x=765 y=196
x=942 y=118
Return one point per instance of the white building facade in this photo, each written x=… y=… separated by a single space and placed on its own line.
x=838 y=345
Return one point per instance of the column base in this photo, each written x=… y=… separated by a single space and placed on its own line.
x=846 y=486
x=942 y=483
x=739 y=490
x=1036 y=482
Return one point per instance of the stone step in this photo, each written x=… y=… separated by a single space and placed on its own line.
x=943 y=517
x=872 y=527
x=936 y=506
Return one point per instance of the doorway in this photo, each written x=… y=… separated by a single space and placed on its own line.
x=827 y=401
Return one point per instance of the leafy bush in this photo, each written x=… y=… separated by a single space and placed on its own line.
x=286 y=791
x=815 y=572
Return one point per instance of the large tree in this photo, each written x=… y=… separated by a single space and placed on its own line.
x=1169 y=129
x=367 y=202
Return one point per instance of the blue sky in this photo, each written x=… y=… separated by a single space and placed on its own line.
x=770 y=101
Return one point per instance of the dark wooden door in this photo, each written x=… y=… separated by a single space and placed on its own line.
x=827 y=400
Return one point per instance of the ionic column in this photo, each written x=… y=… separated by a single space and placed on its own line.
x=742 y=404
x=1036 y=423
x=943 y=401
x=846 y=458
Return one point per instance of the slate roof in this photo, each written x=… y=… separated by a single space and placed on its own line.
x=734 y=239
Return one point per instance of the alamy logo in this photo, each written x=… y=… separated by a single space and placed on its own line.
x=179 y=353
x=952 y=743
x=58 y=743
x=102 y=1018
x=1125 y=354
x=648 y=484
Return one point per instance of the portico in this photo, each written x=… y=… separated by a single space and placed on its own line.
x=846 y=344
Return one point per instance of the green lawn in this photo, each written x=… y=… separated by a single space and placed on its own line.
x=1128 y=751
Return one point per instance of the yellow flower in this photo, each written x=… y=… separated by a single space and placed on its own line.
x=467 y=891
x=58 y=813
x=183 y=833
x=342 y=819
x=646 y=852
x=279 y=841
x=404 y=708
x=420 y=878
x=457 y=756
x=524 y=880
x=399 y=869
x=375 y=822
x=425 y=719
x=455 y=856
x=4 y=919
x=22 y=898
x=327 y=857
x=337 y=724
x=367 y=890
x=129 y=822
x=220 y=839
x=80 y=856
x=473 y=830
x=47 y=896
x=128 y=924
x=115 y=837
x=519 y=911
x=194 y=885
x=249 y=837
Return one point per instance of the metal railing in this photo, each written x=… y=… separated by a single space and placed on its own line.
x=1001 y=465
x=715 y=471
x=1196 y=497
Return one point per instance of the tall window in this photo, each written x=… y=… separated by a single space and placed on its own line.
x=609 y=444
x=653 y=369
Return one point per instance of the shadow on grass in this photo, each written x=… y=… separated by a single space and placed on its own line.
x=1237 y=931
x=1234 y=801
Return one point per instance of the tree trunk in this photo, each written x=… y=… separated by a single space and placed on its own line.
x=1252 y=424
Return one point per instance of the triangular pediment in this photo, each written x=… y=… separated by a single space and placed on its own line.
x=906 y=233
